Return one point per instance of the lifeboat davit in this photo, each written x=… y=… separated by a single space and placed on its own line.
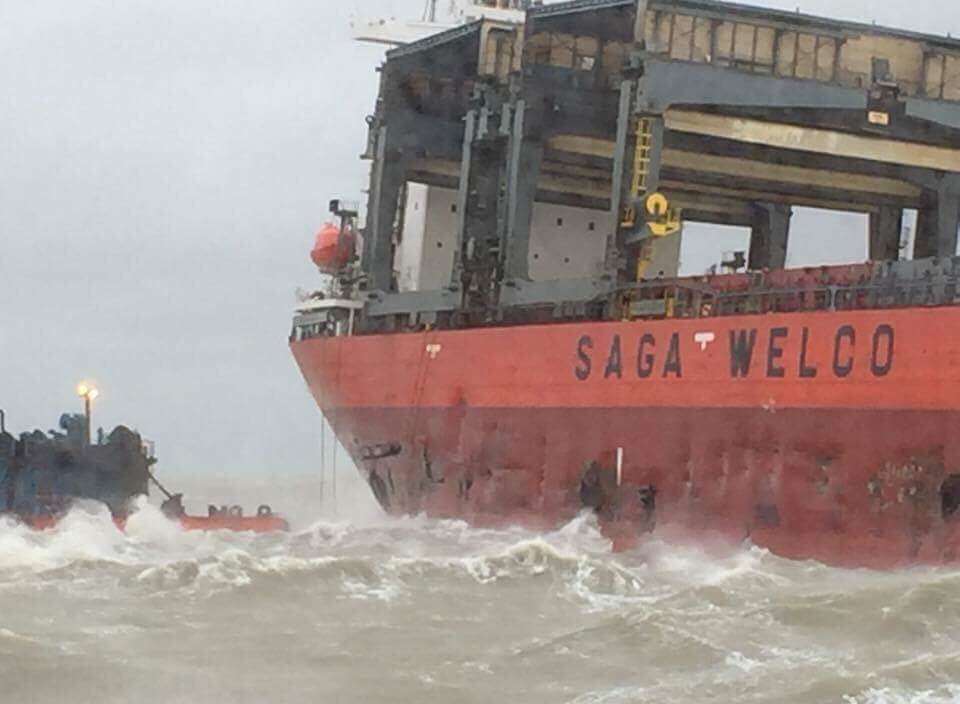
x=333 y=248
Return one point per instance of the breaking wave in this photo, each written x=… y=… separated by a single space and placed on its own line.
x=455 y=609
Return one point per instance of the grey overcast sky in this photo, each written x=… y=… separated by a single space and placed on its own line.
x=163 y=164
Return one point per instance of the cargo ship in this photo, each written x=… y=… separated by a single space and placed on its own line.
x=508 y=339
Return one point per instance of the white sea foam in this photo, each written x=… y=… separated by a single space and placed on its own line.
x=948 y=694
x=617 y=695
x=426 y=609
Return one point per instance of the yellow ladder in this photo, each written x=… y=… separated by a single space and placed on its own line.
x=641 y=156
x=641 y=168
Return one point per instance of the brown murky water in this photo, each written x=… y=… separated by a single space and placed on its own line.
x=360 y=608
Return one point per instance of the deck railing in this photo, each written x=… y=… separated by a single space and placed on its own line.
x=685 y=300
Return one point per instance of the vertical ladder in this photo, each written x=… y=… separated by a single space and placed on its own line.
x=641 y=157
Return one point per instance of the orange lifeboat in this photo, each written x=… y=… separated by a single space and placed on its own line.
x=333 y=248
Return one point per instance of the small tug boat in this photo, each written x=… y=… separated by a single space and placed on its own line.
x=223 y=518
x=43 y=474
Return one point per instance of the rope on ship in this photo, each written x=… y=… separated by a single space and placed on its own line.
x=161 y=487
x=173 y=506
x=323 y=458
x=323 y=438
x=333 y=425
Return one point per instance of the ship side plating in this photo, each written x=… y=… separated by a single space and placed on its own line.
x=515 y=343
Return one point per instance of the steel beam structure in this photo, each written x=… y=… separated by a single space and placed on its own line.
x=386 y=185
x=615 y=260
x=524 y=161
x=938 y=225
x=668 y=84
x=463 y=196
x=770 y=236
x=886 y=226
x=727 y=141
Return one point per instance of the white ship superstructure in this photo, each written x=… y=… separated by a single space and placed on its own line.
x=438 y=15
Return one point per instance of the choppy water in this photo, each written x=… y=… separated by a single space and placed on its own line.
x=417 y=611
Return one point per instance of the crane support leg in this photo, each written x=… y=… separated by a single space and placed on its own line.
x=885 y=227
x=770 y=235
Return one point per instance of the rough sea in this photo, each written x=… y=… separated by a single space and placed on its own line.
x=355 y=607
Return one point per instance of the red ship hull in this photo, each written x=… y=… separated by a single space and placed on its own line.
x=829 y=436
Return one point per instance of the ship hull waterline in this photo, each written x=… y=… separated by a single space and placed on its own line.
x=830 y=436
